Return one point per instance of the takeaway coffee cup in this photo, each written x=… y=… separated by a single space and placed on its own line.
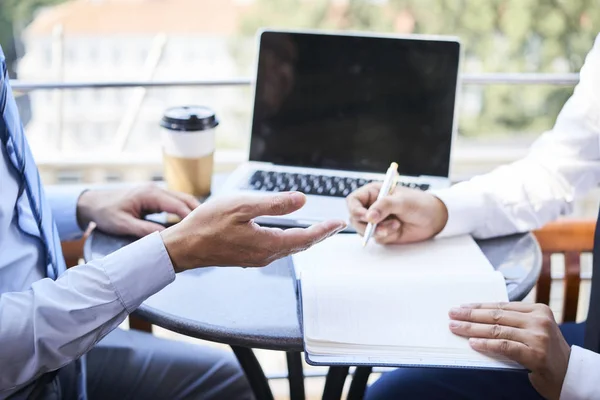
x=188 y=141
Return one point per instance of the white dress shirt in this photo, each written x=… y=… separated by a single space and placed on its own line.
x=47 y=324
x=563 y=163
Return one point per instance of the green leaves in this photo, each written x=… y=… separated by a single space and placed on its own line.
x=15 y=14
x=285 y=14
x=497 y=36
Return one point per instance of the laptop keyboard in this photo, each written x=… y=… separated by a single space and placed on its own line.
x=334 y=186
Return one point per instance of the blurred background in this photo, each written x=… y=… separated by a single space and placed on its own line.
x=111 y=134
x=519 y=67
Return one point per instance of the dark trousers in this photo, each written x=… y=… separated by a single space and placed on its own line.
x=136 y=365
x=446 y=383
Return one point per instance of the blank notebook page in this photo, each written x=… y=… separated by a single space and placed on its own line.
x=359 y=300
x=345 y=251
x=393 y=302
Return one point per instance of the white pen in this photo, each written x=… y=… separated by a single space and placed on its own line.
x=388 y=186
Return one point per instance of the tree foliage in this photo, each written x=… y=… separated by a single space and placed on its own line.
x=497 y=36
x=14 y=15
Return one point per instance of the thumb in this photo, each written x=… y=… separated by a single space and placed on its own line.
x=140 y=228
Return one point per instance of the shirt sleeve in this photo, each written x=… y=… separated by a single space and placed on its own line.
x=583 y=373
x=563 y=163
x=55 y=322
x=63 y=202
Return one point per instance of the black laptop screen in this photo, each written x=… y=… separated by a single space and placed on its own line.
x=355 y=103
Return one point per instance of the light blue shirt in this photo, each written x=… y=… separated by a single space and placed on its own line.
x=46 y=324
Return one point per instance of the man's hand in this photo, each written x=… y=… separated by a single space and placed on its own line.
x=120 y=212
x=405 y=216
x=222 y=232
x=525 y=333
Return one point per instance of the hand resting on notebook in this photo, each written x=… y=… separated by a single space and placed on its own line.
x=525 y=333
x=406 y=216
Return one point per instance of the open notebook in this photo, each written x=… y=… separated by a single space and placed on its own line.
x=388 y=305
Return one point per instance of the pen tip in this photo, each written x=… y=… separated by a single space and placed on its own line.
x=394 y=165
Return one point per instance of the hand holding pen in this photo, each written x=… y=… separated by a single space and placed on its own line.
x=405 y=216
x=389 y=183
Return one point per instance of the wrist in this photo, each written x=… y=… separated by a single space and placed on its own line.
x=176 y=245
x=84 y=209
x=441 y=216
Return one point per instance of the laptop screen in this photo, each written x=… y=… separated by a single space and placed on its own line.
x=355 y=103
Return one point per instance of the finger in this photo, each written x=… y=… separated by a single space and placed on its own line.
x=360 y=226
x=510 y=306
x=160 y=201
x=361 y=199
x=140 y=228
x=384 y=207
x=357 y=212
x=297 y=239
x=387 y=228
x=391 y=238
x=512 y=350
x=281 y=204
x=485 y=331
x=90 y=228
x=391 y=225
x=355 y=207
x=490 y=316
x=188 y=199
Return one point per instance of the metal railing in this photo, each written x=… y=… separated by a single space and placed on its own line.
x=466 y=79
x=91 y=167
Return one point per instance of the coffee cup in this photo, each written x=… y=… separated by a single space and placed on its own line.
x=188 y=142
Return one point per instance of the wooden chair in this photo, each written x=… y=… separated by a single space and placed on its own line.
x=570 y=238
x=73 y=252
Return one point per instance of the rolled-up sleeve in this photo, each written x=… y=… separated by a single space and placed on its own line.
x=63 y=202
x=55 y=322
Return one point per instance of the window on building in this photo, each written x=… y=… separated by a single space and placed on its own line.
x=93 y=54
x=48 y=55
x=69 y=176
x=70 y=54
x=143 y=55
x=116 y=57
x=113 y=177
x=157 y=177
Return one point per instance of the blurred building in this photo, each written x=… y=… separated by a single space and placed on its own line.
x=112 y=134
x=128 y=40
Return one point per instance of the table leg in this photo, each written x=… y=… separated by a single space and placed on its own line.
x=295 y=375
x=254 y=373
x=334 y=383
x=359 y=383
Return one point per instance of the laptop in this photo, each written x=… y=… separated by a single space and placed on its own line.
x=332 y=111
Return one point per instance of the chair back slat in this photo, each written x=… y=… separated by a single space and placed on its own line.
x=567 y=235
x=571 y=285
x=542 y=294
x=570 y=238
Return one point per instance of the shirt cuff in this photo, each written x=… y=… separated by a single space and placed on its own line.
x=139 y=270
x=466 y=210
x=582 y=375
x=63 y=202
